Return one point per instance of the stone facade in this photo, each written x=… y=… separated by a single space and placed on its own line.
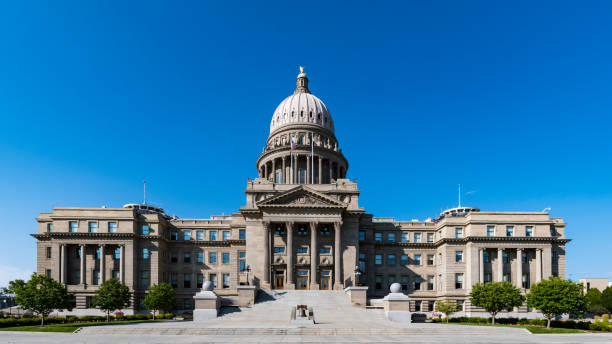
x=301 y=228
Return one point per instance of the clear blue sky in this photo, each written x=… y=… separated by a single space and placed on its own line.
x=511 y=100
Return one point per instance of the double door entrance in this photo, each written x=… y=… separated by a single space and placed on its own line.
x=302 y=280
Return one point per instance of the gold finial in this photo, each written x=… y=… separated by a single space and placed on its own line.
x=301 y=69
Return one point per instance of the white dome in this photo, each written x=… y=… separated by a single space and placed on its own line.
x=300 y=108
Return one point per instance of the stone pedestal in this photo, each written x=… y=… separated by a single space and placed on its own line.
x=207 y=304
x=357 y=295
x=246 y=295
x=397 y=305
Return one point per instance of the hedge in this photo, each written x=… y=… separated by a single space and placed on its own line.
x=11 y=322
x=579 y=325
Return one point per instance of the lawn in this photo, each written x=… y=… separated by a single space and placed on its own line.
x=532 y=329
x=69 y=327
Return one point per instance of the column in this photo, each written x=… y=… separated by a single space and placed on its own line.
x=266 y=170
x=481 y=264
x=320 y=170
x=295 y=168
x=314 y=257
x=289 y=254
x=338 y=278
x=308 y=181
x=121 y=254
x=266 y=271
x=500 y=265
x=538 y=265
x=519 y=268
x=274 y=170
x=331 y=168
x=63 y=263
x=284 y=173
x=102 y=265
x=83 y=253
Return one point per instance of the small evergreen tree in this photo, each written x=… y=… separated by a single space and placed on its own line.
x=593 y=302
x=555 y=296
x=447 y=308
x=495 y=297
x=111 y=295
x=159 y=297
x=606 y=298
x=41 y=294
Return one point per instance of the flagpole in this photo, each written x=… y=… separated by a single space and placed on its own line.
x=312 y=158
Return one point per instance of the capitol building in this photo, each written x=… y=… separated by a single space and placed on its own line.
x=301 y=227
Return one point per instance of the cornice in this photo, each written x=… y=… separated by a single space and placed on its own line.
x=303 y=149
x=463 y=241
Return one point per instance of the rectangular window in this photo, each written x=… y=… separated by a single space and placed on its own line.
x=93 y=227
x=117 y=253
x=73 y=226
x=48 y=252
x=301 y=176
x=430 y=283
x=458 y=281
x=187 y=257
x=430 y=259
x=187 y=235
x=526 y=281
x=430 y=306
x=378 y=282
x=505 y=257
x=430 y=237
x=145 y=279
x=173 y=258
x=524 y=257
x=488 y=277
x=96 y=277
x=200 y=281
x=485 y=257
x=144 y=230
x=173 y=280
x=404 y=259
x=390 y=259
x=390 y=280
x=362 y=262
x=200 y=258
x=49 y=227
x=302 y=231
x=78 y=252
x=417 y=283
x=391 y=237
x=404 y=283
x=378 y=259
x=458 y=232
x=490 y=231
x=145 y=253
x=458 y=256
x=417 y=259
x=417 y=237
x=97 y=252
x=242 y=234
x=115 y=274
x=528 y=231
x=279 y=250
x=213 y=279
x=361 y=236
x=212 y=235
x=405 y=237
x=225 y=258
x=302 y=250
x=509 y=231
x=226 y=235
x=378 y=237
x=242 y=256
x=112 y=227
x=186 y=280
x=553 y=231
x=200 y=235
x=212 y=257
x=173 y=236
x=507 y=277
x=226 y=281
x=278 y=178
x=417 y=306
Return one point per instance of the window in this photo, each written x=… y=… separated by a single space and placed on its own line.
x=404 y=283
x=48 y=252
x=48 y=273
x=226 y=235
x=98 y=253
x=430 y=283
x=115 y=274
x=390 y=280
x=485 y=257
x=430 y=237
x=488 y=277
x=404 y=259
x=117 y=253
x=225 y=258
x=430 y=306
x=509 y=231
x=430 y=259
x=460 y=305
x=173 y=280
x=378 y=237
x=187 y=257
x=505 y=257
x=242 y=234
x=186 y=280
x=490 y=231
x=458 y=232
x=405 y=237
x=325 y=250
x=174 y=235
x=378 y=282
x=212 y=235
x=506 y=277
x=200 y=280
x=145 y=253
x=528 y=231
x=302 y=250
x=417 y=259
x=362 y=262
x=200 y=258
x=187 y=235
x=49 y=227
x=417 y=237
x=278 y=178
x=279 y=231
x=458 y=256
x=93 y=227
x=145 y=279
x=226 y=281
x=144 y=230
x=458 y=281
x=78 y=252
x=524 y=257
x=417 y=283
x=378 y=259
x=440 y=282
x=391 y=237
x=302 y=231
x=390 y=259
x=112 y=227
x=242 y=260
x=77 y=277
x=173 y=258
x=200 y=235
x=279 y=250
x=526 y=281
x=96 y=277
x=325 y=231
x=553 y=231
x=212 y=257
x=301 y=176
x=361 y=236
x=417 y=306
x=73 y=226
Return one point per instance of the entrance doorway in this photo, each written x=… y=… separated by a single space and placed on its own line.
x=302 y=280
x=325 y=277
x=279 y=279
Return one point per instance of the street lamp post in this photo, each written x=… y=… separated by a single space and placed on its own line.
x=247 y=270
x=357 y=274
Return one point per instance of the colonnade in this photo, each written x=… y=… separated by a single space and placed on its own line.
x=269 y=168
x=83 y=263
x=499 y=276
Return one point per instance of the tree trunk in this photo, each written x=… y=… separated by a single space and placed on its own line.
x=42 y=320
x=548 y=323
x=493 y=318
x=153 y=315
x=107 y=316
x=447 y=318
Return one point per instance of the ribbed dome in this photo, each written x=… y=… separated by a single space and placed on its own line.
x=301 y=108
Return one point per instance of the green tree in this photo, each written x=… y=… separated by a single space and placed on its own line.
x=159 y=297
x=593 y=302
x=556 y=296
x=606 y=298
x=447 y=308
x=41 y=294
x=111 y=295
x=495 y=297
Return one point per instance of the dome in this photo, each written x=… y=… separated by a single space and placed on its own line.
x=301 y=107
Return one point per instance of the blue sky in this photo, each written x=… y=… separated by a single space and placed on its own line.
x=512 y=100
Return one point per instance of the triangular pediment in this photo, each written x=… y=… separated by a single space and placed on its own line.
x=301 y=196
